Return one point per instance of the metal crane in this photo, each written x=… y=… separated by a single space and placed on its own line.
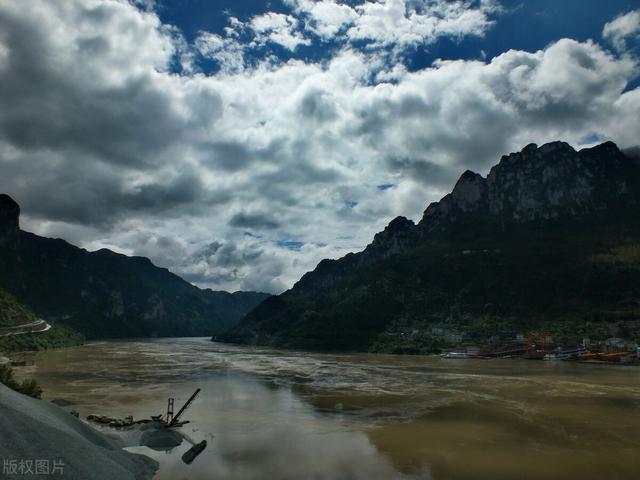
x=173 y=420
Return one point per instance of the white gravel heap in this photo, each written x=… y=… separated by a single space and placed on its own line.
x=41 y=434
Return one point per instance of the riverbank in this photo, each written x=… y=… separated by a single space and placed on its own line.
x=40 y=438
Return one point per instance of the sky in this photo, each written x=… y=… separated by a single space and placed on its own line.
x=239 y=143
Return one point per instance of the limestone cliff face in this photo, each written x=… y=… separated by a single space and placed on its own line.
x=9 y=222
x=551 y=183
x=469 y=197
x=554 y=181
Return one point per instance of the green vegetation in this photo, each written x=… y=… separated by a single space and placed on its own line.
x=569 y=282
x=12 y=313
x=28 y=387
x=57 y=337
x=408 y=343
x=624 y=256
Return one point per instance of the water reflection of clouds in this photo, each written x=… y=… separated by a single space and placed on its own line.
x=270 y=414
x=257 y=432
x=283 y=452
x=291 y=452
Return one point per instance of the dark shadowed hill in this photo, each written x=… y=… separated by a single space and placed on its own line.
x=550 y=239
x=12 y=313
x=106 y=294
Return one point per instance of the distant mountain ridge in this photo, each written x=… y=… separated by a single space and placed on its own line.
x=105 y=294
x=552 y=182
x=530 y=201
x=549 y=184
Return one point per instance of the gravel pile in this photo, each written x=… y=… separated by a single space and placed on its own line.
x=36 y=434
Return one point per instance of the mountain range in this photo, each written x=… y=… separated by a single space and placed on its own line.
x=548 y=240
x=104 y=294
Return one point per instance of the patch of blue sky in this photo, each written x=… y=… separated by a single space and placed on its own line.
x=520 y=25
x=290 y=244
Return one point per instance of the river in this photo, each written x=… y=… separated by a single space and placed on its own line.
x=296 y=415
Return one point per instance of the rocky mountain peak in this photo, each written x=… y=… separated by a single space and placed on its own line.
x=538 y=183
x=9 y=221
x=532 y=152
x=557 y=147
x=395 y=237
x=469 y=191
x=550 y=183
x=397 y=225
x=469 y=196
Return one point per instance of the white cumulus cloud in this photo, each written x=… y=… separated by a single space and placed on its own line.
x=622 y=28
x=278 y=28
x=247 y=177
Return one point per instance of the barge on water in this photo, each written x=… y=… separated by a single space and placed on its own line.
x=538 y=346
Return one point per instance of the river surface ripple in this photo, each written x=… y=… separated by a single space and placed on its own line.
x=295 y=415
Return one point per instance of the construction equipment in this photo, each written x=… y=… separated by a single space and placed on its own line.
x=169 y=410
x=176 y=419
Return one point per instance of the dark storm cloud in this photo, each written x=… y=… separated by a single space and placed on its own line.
x=108 y=203
x=424 y=171
x=86 y=193
x=46 y=105
x=226 y=263
x=82 y=123
x=253 y=221
x=235 y=155
x=231 y=156
x=276 y=186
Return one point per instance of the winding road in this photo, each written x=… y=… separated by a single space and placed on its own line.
x=38 y=326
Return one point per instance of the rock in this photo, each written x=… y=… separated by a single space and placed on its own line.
x=395 y=237
x=551 y=182
x=9 y=222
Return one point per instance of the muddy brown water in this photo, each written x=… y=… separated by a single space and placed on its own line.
x=297 y=415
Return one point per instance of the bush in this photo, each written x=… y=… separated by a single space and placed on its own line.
x=27 y=387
